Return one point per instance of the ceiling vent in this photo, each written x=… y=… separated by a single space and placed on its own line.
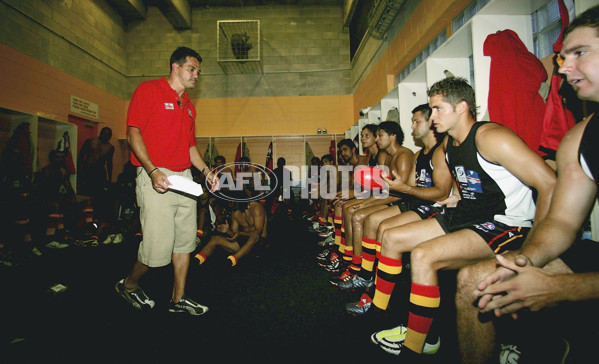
x=381 y=16
x=238 y=46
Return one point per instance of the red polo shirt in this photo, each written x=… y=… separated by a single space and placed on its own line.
x=168 y=129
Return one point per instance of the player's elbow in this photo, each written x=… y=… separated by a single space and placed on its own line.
x=546 y=186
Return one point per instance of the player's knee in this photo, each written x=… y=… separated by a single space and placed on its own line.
x=345 y=208
x=465 y=277
x=254 y=238
x=213 y=241
x=358 y=217
x=384 y=237
x=420 y=258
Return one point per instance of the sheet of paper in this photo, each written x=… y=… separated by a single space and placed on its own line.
x=185 y=184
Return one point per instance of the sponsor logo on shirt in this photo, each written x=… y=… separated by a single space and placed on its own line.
x=474 y=182
x=469 y=182
x=461 y=174
x=423 y=179
x=169 y=106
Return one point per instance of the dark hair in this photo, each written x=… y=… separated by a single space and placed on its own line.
x=590 y=18
x=455 y=90
x=425 y=109
x=238 y=203
x=221 y=158
x=180 y=55
x=392 y=128
x=281 y=162
x=347 y=142
x=327 y=157
x=371 y=127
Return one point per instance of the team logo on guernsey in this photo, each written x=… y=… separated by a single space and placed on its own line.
x=169 y=106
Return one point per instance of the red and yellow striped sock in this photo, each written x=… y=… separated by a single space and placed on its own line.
x=322 y=221
x=52 y=222
x=356 y=264
x=60 y=222
x=388 y=270
x=368 y=254
x=341 y=249
x=342 y=240
x=424 y=304
x=337 y=225
x=348 y=253
x=201 y=257
x=233 y=260
x=200 y=233
x=379 y=245
x=88 y=212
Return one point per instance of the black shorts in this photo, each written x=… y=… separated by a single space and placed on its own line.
x=428 y=211
x=499 y=236
x=397 y=203
x=424 y=210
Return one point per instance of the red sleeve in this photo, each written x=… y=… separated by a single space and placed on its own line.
x=138 y=113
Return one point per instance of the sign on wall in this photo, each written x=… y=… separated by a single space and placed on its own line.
x=84 y=107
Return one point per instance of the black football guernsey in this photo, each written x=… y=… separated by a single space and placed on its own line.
x=589 y=152
x=488 y=190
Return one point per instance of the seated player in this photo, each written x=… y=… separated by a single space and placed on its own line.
x=496 y=173
x=332 y=259
x=554 y=277
x=246 y=230
x=432 y=183
x=56 y=199
x=389 y=138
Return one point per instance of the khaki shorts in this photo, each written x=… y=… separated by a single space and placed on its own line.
x=168 y=221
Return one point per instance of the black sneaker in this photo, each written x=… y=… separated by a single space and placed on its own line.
x=332 y=257
x=325 y=231
x=346 y=275
x=137 y=299
x=324 y=255
x=357 y=282
x=187 y=305
x=336 y=266
x=359 y=308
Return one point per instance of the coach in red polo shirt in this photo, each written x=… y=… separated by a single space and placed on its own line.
x=161 y=132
